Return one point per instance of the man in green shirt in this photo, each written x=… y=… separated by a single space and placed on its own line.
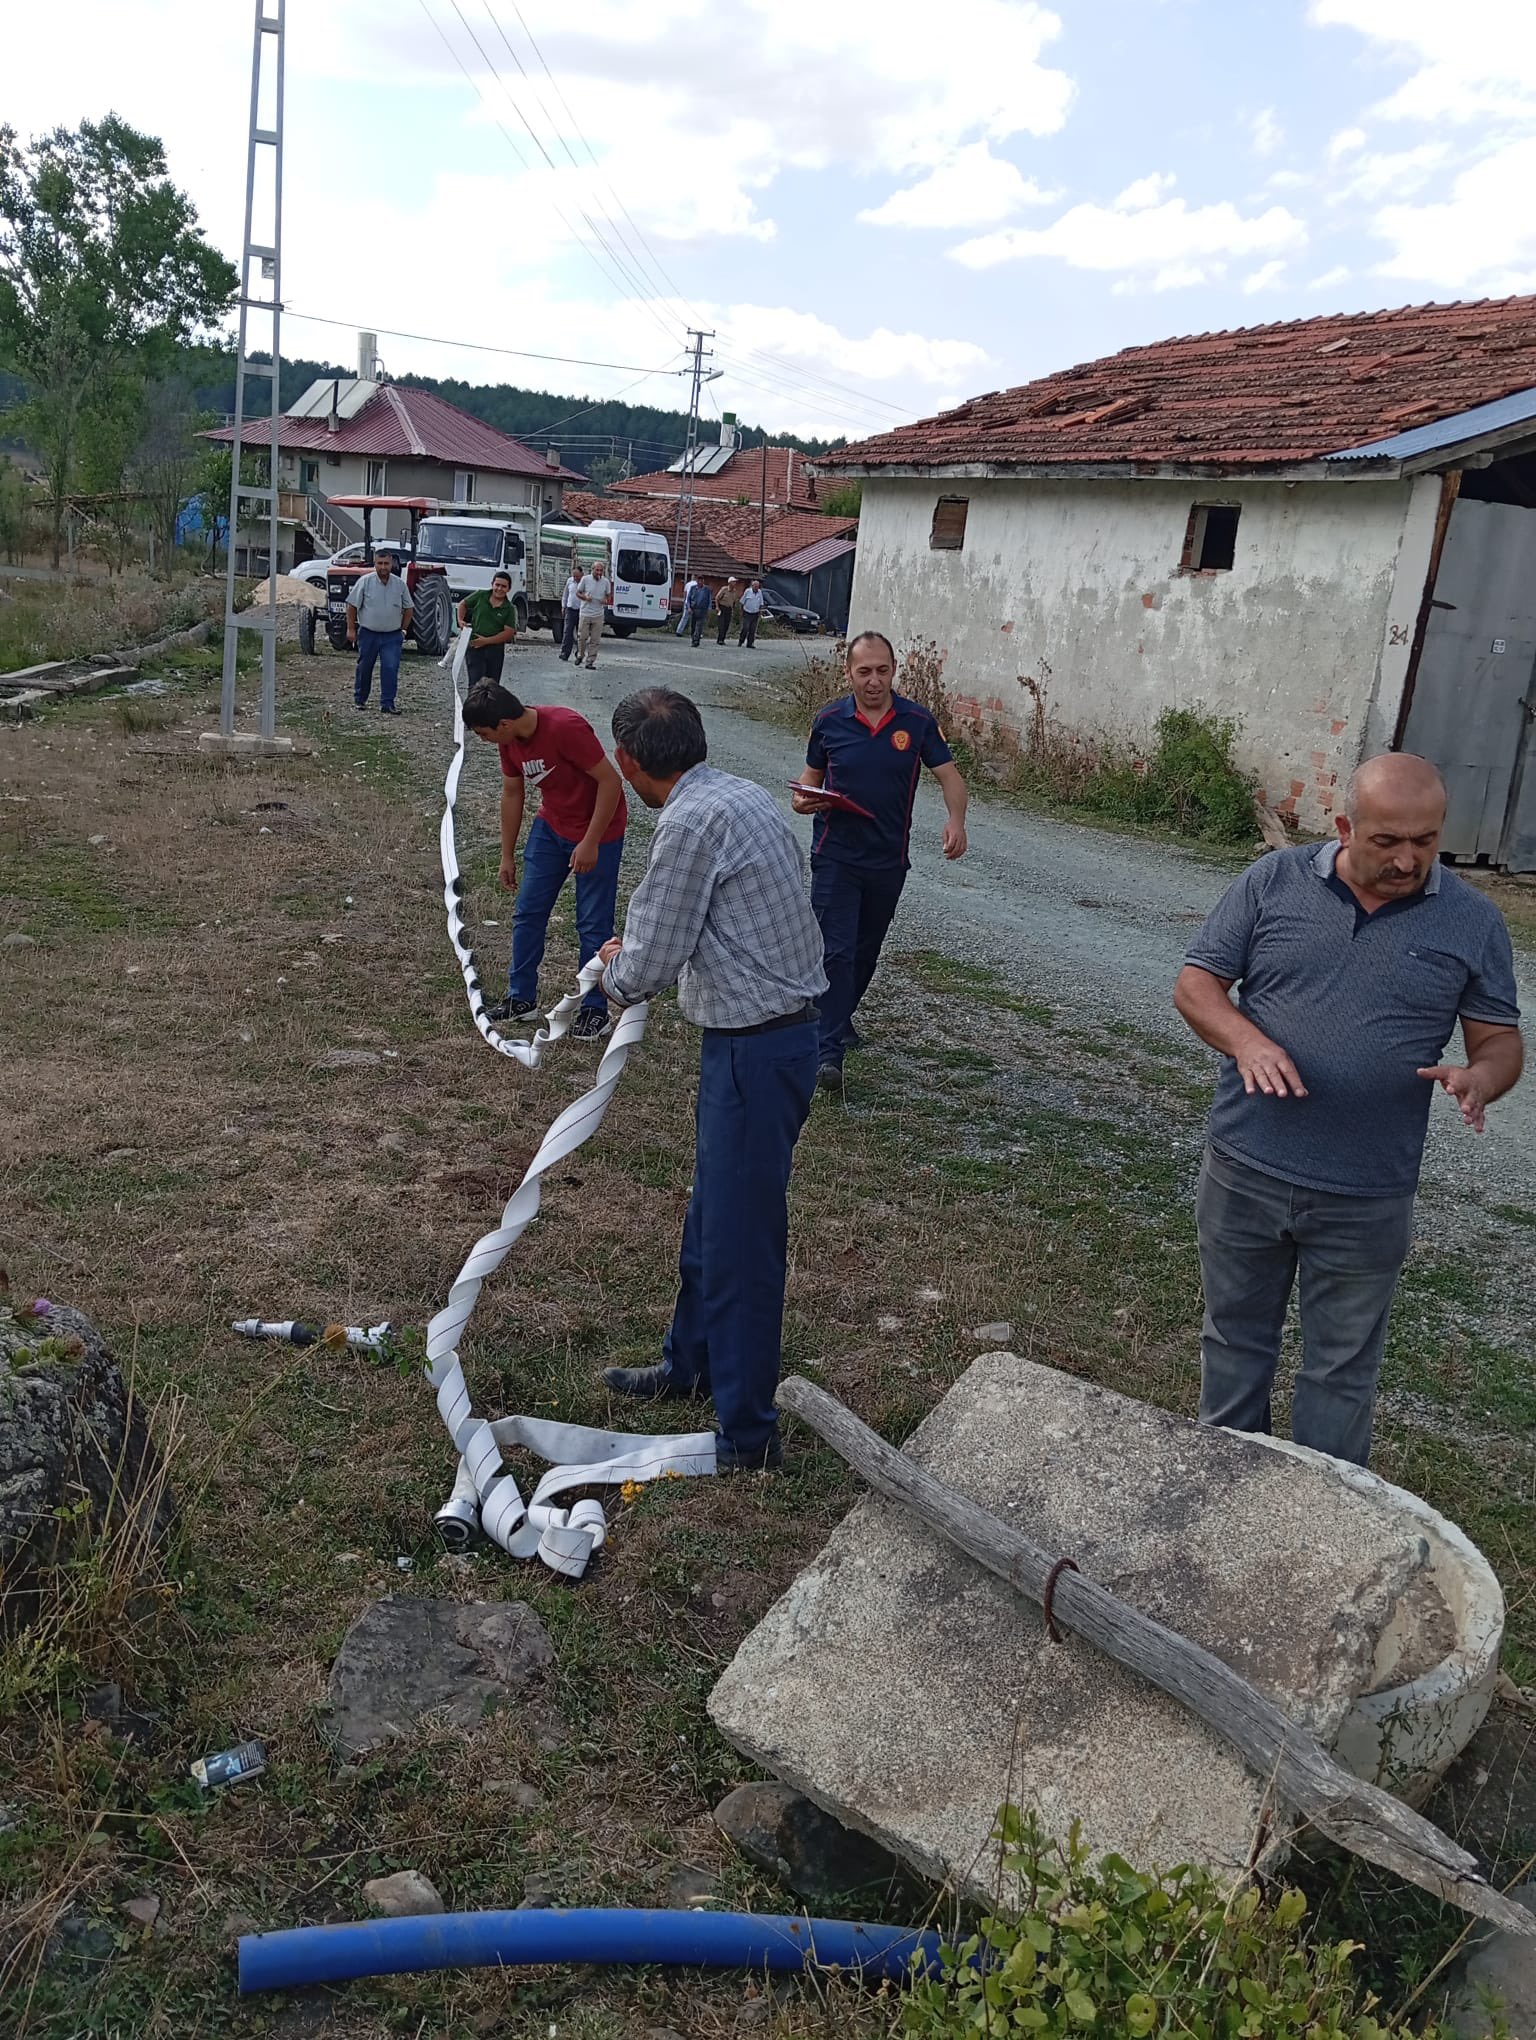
x=493 y=621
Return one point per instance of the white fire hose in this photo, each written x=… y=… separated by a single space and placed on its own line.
x=485 y=1491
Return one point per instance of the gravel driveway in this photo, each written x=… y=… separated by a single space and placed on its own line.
x=1088 y=920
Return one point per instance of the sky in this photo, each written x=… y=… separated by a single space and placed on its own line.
x=880 y=209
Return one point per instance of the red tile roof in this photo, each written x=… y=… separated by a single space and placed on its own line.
x=403 y=423
x=790 y=480
x=809 y=557
x=725 y=536
x=1261 y=396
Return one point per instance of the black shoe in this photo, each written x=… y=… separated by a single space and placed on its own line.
x=391 y=710
x=853 y=1041
x=361 y=707
x=653 y=1384
x=830 y=1077
x=590 y=1025
x=764 y=1459
x=511 y=1009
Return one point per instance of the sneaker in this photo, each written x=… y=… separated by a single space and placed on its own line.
x=511 y=1009
x=830 y=1077
x=590 y=1025
x=361 y=707
x=391 y=710
x=652 y=1384
x=763 y=1459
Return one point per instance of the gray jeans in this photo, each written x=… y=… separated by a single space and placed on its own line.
x=1256 y=1232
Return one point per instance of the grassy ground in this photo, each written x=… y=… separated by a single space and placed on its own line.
x=176 y=1154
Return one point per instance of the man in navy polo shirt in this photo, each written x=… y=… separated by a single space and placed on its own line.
x=1355 y=962
x=870 y=744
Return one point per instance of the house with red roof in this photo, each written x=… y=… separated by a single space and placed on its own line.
x=1324 y=530
x=356 y=436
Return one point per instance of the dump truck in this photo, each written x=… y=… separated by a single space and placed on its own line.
x=472 y=541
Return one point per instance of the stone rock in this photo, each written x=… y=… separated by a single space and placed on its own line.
x=405 y=1657
x=514 y=1792
x=143 y=1911
x=789 y=1836
x=79 y=1938
x=1501 y=1971
x=347 y=1059
x=16 y=940
x=70 y=1431
x=403 y=1895
x=993 y=1335
x=908 y=1692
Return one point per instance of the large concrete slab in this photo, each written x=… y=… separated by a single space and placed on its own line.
x=910 y=1693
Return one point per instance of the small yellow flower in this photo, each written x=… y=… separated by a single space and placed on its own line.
x=630 y=1491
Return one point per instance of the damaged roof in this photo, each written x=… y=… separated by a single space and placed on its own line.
x=1258 y=397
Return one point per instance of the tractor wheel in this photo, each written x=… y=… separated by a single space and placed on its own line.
x=307 y=630
x=336 y=631
x=432 y=620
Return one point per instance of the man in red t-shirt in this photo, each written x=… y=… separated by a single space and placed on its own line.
x=579 y=827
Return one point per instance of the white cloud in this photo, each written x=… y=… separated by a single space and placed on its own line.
x=1331 y=278
x=877 y=356
x=1482 y=235
x=1473 y=61
x=1266 y=132
x=1173 y=244
x=1263 y=279
x=1391 y=173
x=973 y=188
x=1145 y=191
x=1345 y=142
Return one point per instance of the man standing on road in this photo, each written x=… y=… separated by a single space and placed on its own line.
x=699 y=601
x=751 y=609
x=870 y=745
x=722 y=912
x=579 y=828
x=726 y=602
x=570 y=612
x=492 y=621
x=594 y=591
x=1355 y=963
x=683 y=621
x=378 y=616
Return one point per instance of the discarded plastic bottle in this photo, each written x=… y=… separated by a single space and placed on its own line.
x=230 y=1767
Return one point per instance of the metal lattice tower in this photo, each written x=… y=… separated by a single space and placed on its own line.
x=682 y=535
x=263 y=255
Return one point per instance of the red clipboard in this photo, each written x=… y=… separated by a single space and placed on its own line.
x=840 y=803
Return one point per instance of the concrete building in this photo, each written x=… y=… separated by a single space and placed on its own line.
x=358 y=436
x=1325 y=530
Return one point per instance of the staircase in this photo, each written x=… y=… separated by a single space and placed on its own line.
x=330 y=528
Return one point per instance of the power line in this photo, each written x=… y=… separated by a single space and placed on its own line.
x=480 y=346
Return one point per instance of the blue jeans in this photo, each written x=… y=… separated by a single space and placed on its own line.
x=546 y=867
x=1256 y=1234
x=382 y=646
x=569 y=618
x=754 y=1094
x=854 y=908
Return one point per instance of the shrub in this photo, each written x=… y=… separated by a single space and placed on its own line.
x=1119 y=1952
x=1189 y=783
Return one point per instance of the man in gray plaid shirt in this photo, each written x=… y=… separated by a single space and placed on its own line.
x=722 y=912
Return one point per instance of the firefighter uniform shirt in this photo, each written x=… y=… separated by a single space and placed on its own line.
x=878 y=765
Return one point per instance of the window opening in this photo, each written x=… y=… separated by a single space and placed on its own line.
x=1210 y=538
x=948 y=533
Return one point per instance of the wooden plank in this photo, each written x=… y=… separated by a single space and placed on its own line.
x=1359 y=1817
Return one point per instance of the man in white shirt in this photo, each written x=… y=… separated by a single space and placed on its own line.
x=570 y=613
x=684 y=620
x=751 y=609
x=378 y=616
x=593 y=594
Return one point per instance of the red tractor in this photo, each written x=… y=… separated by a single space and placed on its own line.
x=426 y=582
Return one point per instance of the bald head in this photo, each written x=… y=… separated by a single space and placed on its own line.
x=1393 y=777
x=1389 y=831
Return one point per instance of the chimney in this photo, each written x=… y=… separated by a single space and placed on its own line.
x=552 y=456
x=333 y=422
x=367 y=356
x=727 y=428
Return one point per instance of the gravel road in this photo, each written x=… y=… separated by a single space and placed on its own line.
x=1087 y=920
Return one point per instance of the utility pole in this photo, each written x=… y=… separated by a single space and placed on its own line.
x=682 y=536
x=762 y=511
x=260 y=266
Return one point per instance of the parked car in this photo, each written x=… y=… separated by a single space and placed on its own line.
x=805 y=621
x=347 y=556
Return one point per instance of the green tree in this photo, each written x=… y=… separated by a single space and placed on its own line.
x=111 y=425
x=103 y=270
x=169 y=461
x=16 y=511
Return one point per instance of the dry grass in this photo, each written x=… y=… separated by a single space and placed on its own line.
x=49 y=620
x=172 y=1156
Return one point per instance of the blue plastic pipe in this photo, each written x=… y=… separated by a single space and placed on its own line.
x=706 y=1940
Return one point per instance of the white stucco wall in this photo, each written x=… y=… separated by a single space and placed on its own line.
x=1076 y=584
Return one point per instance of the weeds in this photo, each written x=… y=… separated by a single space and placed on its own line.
x=73 y=619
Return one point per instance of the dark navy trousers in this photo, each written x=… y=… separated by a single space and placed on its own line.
x=854 y=908
x=754 y=1094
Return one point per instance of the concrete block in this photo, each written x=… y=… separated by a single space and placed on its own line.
x=910 y=1693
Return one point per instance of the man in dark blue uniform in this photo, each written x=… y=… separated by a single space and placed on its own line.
x=870 y=745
